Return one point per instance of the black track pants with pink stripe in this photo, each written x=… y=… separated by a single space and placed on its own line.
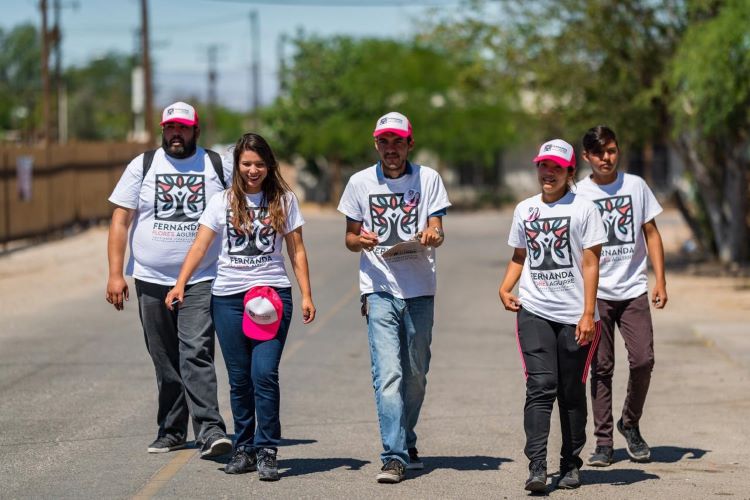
x=556 y=368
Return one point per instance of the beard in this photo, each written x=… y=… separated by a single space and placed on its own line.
x=180 y=151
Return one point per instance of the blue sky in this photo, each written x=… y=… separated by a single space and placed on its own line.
x=181 y=33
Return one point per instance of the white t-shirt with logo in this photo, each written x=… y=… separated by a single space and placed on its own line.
x=251 y=260
x=625 y=205
x=168 y=203
x=395 y=210
x=554 y=236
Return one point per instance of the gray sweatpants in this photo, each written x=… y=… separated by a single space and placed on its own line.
x=181 y=345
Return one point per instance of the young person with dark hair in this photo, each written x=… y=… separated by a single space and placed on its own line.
x=252 y=218
x=556 y=238
x=628 y=208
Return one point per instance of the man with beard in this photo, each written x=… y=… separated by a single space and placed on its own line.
x=394 y=211
x=160 y=197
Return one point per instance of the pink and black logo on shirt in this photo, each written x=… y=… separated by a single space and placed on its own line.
x=259 y=240
x=179 y=197
x=617 y=214
x=548 y=243
x=394 y=216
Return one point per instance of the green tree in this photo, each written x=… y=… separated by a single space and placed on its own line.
x=584 y=62
x=337 y=87
x=99 y=98
x=20 y=78
x=710 y=86
x=671 y=72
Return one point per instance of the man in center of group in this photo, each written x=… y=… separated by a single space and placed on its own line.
x=390 y=203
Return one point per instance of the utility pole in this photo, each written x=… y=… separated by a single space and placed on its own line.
x=280 y=54
x=212 y=75
x=45 y=75
x=61 y=131
x=255 y=65
x=146 y=61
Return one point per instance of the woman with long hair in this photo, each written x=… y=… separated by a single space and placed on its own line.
x=556 y=238
x=251 y=300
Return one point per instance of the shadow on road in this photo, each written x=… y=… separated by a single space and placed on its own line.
x=475 y=462
x=664 y=454
x=615 y=477
x=672 y=454
x=302 y=466
x=294 y=442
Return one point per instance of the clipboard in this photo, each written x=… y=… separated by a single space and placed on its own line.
x=403 y=248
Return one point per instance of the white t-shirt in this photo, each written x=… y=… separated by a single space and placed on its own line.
x=625 y=205
x=245 y=262
x=168 y=203
x=554 y=236
x=395 y=210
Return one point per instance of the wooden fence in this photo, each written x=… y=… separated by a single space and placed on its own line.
x=69 y=185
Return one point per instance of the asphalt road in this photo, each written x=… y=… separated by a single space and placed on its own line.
x=78 y=392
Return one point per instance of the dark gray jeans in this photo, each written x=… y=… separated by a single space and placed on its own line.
x=181 y=345
x=633 y=318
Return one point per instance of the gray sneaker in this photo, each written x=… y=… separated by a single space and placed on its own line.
x=570 y=479
x=166 y=444
x=537 y=481
x=602 y=457
x=241 y=462
x=637 y=447
x=268 y=469
x=216 y=445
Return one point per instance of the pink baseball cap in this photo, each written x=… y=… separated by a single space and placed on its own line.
x=180 y=112
x=393 y=122
x=558 y=151
x=263 y=312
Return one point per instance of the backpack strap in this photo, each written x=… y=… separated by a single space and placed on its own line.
x=148 y=159
x=218 y=166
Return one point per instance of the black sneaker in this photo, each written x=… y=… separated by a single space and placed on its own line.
x=537 y=481
x=415 y=463
x=637 y=447
x=569 y=479
x=216 y=445
x=166 y=444
x=392 y=472
x=242 y=462
x=268 y=470
x=602 y=457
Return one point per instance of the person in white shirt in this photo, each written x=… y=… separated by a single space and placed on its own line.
x=556 y=238
x=251 y=219
x=396 y=202
x=628 y=208
x=160 y=197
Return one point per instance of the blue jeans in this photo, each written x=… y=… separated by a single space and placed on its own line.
x=399 y=333
x=253 y=369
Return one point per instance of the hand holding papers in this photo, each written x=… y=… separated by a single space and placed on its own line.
x=403 y=248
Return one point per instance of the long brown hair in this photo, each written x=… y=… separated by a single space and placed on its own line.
x=274 y=187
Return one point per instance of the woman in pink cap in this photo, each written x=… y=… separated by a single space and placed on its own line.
x=252 y=218
x=556 y=238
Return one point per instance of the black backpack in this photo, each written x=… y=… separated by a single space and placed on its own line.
x=148 y=159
